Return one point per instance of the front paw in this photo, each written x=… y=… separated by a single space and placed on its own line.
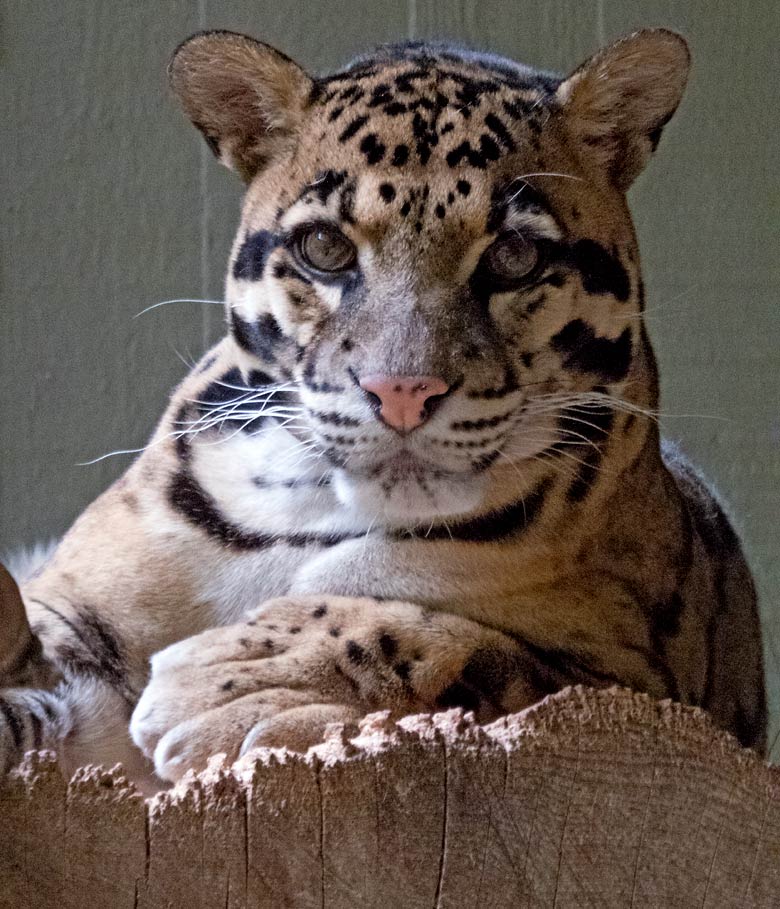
x=227 y=690
x=295 y=665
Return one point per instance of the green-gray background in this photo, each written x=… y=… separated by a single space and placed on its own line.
x=111 y=203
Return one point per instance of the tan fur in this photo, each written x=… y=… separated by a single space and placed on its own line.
x=603 y=562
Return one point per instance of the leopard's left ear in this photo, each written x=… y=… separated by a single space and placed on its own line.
x=247 y=98
x=617 y=103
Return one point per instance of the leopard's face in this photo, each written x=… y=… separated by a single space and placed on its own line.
x=438 y=272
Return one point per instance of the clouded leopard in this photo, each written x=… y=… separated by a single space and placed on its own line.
x=421 y=470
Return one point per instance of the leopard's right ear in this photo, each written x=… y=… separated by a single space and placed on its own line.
x=247 y=98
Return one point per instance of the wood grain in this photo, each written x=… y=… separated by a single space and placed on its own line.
x=591 y=798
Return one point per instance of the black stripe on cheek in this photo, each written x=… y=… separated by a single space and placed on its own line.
x=600 y=271
x=253 y=255
x=589 y=425
x=261 y=337
x=226 y=390
x=501 y=524
x=189 y=498
x=587 y=474
x=583 y=351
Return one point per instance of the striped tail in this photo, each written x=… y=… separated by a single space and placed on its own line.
x=31 y=716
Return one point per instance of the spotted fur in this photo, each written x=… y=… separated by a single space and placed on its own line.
x=281 y=554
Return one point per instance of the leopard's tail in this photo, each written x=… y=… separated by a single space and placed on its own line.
x=31 y=714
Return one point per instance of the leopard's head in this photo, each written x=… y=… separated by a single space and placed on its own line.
x=435 y=250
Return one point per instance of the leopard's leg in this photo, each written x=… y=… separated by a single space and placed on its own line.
x=300 y=663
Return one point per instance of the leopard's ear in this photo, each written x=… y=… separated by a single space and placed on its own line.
x=247 y=98
x=617 y=103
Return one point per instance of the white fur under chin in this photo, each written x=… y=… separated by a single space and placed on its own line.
x=407 y=501
x=24 y=562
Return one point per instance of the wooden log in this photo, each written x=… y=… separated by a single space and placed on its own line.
x=590 y=798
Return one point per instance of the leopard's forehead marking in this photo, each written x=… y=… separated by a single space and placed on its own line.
x=406 y=112
x=424 y=129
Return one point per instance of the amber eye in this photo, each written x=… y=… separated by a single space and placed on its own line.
x=325 y=248
x=511 y=259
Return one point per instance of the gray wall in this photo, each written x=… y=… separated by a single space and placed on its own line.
x=111 y=203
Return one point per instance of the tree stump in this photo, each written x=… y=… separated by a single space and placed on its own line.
x=590 y=798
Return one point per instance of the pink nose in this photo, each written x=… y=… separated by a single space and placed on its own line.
x=402 y=398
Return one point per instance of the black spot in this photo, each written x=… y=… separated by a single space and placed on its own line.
x=440 y=211
x=517 y=108
x=479 y=158
x=334 y=632
x=402 y=670
x=325 y=184
x=400 y=155
x=353 y=93
x=356 y=654
x=495 y=125
x=228 y=686
x=388 y=645
x=372 y=148
x=463 y=187
x=447 y=128
x=405 y=209
x=387 y=192
x=352 y=128
x=335 y=113
x=600 y=271
x=347 y=344
x=253 y=254
x=585 y=352
x=244 y=642
x=295 y=629
x=665 y=617
x=320 y=611
x=380 y=95
x=458 y=695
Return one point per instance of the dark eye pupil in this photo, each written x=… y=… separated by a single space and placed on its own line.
x=326 y=250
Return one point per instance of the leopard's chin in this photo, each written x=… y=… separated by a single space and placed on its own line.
x=409 y=498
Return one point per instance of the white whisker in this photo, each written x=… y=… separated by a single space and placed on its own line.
x=178 y=300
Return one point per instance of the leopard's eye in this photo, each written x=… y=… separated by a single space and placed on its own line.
x=511 y=259
x=325 y=248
